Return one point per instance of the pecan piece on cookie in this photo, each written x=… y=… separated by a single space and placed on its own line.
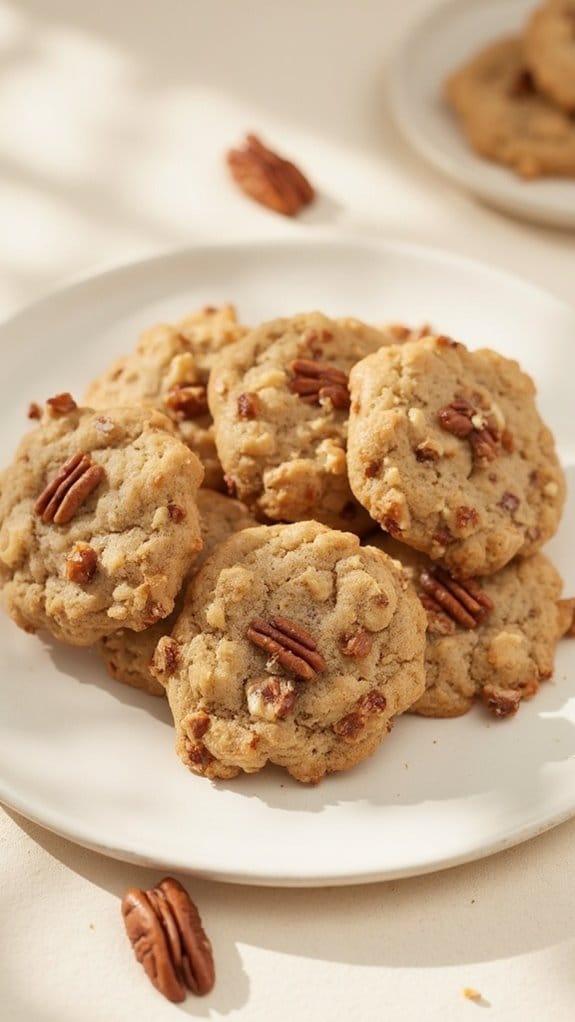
x=67 y=491
x=290 y=644
x=462 y=601
x=314 y=382
x=268 y=178
x=166 y=932
x=81 y=564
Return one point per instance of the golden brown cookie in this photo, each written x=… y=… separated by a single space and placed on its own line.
x=295 y=646
x=549 y=51
x=98 y=522
x=448 y=453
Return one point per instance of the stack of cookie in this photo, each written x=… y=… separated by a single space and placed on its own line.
x=277 y=630
x=516 y=98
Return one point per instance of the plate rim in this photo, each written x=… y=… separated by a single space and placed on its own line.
x=60 y=823
x=424 y=145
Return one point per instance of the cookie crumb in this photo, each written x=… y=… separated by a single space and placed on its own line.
x=471 y=994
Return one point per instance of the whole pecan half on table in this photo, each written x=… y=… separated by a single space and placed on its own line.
x=166 y=932
x=268 y=178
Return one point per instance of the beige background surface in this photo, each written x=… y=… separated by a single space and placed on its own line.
x=113 y=121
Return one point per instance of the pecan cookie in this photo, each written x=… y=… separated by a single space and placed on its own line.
x=447 y=452
x=549 y=51
x=295 y=646
x=169 y=371
x=128 y=654
x=493 y=637
x=98 y=521
x=506 y=119
x=280 y=404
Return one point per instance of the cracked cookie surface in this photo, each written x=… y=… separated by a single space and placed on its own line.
x=128 y=654
x=509 y=651
x=169 y=370
x=506 y=119
x=280 y=405
x=295 y=646
x=447 y=452
x=549 y=51
x=118 y=559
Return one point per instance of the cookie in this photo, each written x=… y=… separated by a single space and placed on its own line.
x=98 y=521
x=128 y=654
x=280 y=402
x=505 y=119
x=169 y=371
x=549 y=51
x=492 y=637
x=447 y=452
x=295 y=646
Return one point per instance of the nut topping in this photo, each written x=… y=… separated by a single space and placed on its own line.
x=271 y=698
x=314 y=382
x=350 y=726
x=288 y=643
x=68 y=490
x=463 y=601
x=34 y=410
x=166 y=932
x=509 y=502
x=248 y=405
x=81 y=564
x=268 y=178
x=501 y=702
x=359 y=645
x=464 y=421
x=61 y=404
x=187 y=401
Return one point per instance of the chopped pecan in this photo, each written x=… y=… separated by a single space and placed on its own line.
x=373 y=701
x=462 y=419
x=392 y=526
x=81 y=564
x=466 y=517
x=34 y=411
x=61 y=404
x=271 y=698
x=68 y=490
x=501 y=702
x=231 y=485
x=507 y=441
x=176 y=513
x=187 y=401
x=423 y=452
x=198 y=723
x=248 y=405
x=351 y=725
x=359 y=645
x=199 y=757
x=372 y=469
x=443 y=341
x=166 y=932
x=509 y=502
x=167 y=656
x=317 y=381
x=288 y=643
x=461 y=600
x=268 y=178
x=566 y=609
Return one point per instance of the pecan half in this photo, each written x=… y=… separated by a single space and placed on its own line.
x=81 y=564
x=166 y=933
x=187 y=401
x=68 y=490
x=317 y=381
x=268 y=178
x=438 y=622
x=464 y=421
x=501 y=702
x=288 y=643
x=463 y=601
x=270 y=698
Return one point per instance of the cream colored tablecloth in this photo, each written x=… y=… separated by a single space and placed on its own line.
x=113 y=120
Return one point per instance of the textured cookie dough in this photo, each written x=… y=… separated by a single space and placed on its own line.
x=282 y=448
x=509 y=652
x=549 y=51
x=119 y=559
x=473 y=488
x=505 y=119
x=237 y=706
x=169 y=371
x=128 y=654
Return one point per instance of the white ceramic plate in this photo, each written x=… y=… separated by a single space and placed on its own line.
x=435 y=46
x=93 y=760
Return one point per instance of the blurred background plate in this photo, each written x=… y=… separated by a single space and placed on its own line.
x=93 y=760
x=439 y=43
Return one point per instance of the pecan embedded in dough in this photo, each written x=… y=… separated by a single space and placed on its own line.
x=289 y=643
x=316 y=381
x=461 y=600
x=68 y=490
